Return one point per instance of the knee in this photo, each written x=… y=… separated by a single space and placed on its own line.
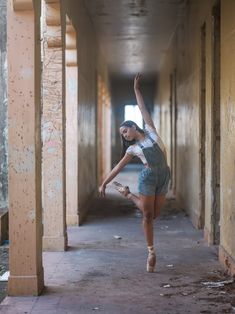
x=147 y=217
x=156 y=214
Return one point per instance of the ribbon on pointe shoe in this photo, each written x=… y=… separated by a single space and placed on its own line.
x=124 y=190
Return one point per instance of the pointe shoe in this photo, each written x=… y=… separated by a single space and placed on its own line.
x=124 y=190
x=151 y=261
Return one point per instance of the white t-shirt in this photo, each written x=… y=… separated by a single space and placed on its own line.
x=135 y=150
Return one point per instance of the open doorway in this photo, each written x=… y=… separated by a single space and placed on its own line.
x=173 y=130
x=132 y=112
x=202 y=125
x=215 y=118
x=103 y=130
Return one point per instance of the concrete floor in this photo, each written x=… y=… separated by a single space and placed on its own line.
x=102 y=274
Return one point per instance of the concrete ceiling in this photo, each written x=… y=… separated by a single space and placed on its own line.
x=134 y=34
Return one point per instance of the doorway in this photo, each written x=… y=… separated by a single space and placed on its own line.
x=173 y=130
x=202 y=125
x=215 y=118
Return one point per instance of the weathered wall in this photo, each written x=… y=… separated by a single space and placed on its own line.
x=122 y=93
x=90 y=63
x=24 y=121
x=183 y=56
x=3 y=107
x=227 y=225
x=53 y=131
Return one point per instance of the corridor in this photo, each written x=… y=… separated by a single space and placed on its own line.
x=67 y=71
x=102 y=274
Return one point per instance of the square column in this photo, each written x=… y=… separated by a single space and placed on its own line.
x=72 y=216
x=53 y=130
x=24 y=107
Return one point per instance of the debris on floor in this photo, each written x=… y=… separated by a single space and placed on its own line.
x=117 y=237
x=217 y=284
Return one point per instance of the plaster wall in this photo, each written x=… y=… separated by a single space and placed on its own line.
x=3 y=108
x=90 y=64
x=227 y=220
x=183 y=56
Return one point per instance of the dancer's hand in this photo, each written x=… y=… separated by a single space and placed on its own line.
x=102 y=190
x=137 y=81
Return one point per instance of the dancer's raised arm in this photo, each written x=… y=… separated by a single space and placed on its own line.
x=140 y=101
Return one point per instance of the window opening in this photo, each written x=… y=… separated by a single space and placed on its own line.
x=132 y=112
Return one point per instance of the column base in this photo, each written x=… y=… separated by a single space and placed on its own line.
x=195 y=219
x=208 y=237
x=227 y=261
x=55 y=244
x=25 y=285
x=72 y=220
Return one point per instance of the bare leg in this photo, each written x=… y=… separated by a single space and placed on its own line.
x=158 y=204
x=146 y=205
x=136 y=200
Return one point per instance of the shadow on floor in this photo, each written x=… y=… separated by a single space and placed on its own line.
x=104 y=269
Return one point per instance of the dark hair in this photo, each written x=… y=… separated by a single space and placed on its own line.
x=125 y=143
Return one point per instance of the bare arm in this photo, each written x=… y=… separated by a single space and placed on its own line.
x=122 y=163
x=140 y=101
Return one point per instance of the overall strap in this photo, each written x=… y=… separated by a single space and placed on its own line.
x=150 y=138
x=140 y=145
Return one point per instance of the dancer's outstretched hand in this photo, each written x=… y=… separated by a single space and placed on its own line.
x=102 y=190
x=137 y=81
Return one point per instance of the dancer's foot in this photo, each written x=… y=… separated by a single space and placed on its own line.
x=151 y=261
x=124 y=190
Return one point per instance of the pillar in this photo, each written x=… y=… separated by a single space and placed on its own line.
x=72 y=216
x=3 y=109
x=25 y=210
x=53 y=130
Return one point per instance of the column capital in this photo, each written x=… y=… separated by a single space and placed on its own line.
x=22 y=5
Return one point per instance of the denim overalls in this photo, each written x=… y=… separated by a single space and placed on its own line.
x=154 y=178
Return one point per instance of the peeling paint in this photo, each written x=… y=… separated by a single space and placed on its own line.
x=58 y=185
x=51 y=150
x=51 y=194
x=31 y=215
x=26 y=73
x=24 y=160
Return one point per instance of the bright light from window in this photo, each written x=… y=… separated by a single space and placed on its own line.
x=132 y=112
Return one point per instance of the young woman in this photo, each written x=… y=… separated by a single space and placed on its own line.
x=153 y=179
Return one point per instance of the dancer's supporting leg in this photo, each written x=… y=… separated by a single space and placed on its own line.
x=158 y=204
x=146 y=205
